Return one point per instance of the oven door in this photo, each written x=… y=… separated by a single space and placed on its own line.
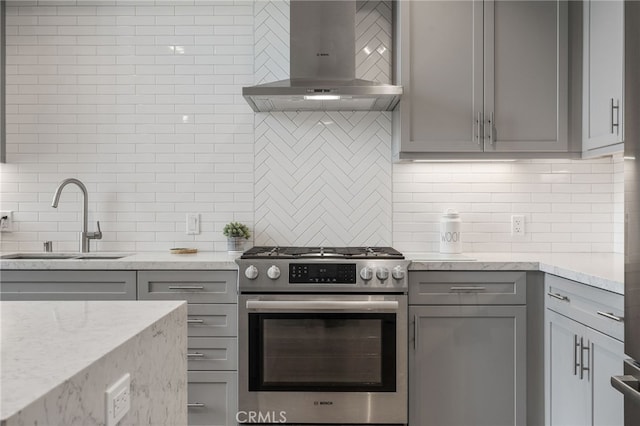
x=323 y=358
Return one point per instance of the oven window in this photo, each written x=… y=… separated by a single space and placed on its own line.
x=322 y=352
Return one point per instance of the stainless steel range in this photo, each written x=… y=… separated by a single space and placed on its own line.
x=322 y=336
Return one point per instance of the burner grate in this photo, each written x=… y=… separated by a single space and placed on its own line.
x=277 y=252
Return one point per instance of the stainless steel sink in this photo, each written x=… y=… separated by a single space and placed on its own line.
x=38 y=256
x=60 y=256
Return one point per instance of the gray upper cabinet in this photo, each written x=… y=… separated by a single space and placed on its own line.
x=482 y=79
x=603 y=77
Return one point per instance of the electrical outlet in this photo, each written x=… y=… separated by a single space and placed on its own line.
x=193 y=223
x=517 y=225
x=6 y=221
x=118 y=400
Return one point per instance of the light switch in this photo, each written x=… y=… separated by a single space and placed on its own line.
x=193 y=223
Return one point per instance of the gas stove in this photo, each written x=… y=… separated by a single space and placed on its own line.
x=322 y=269
x=276 y=252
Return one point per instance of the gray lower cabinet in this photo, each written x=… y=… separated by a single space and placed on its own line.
x=581 y=359
x=212 y=347
x=212 y=398
x=67 y=285
x=467 y=363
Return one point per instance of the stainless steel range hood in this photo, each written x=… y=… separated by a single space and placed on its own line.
x=322 y=66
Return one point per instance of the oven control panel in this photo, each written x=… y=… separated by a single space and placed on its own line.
x=338 y=273
x=278 y=275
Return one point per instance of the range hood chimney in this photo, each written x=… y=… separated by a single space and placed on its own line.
x=322 y=70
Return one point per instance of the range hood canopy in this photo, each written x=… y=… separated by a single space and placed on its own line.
x=322 y=66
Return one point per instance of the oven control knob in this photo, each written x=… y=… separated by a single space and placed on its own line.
x=398 y=273
x=251 y=272
x=273 y=272
x=366 y=273
x=382 y=273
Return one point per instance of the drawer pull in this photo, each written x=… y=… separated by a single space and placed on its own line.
x=195 y=321
x=195 y=355
x=186 y=287
x=610 y=316
x=559 y=296
x=195 y=405
x=467 y=289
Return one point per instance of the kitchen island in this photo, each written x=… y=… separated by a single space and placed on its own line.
x=59 y=358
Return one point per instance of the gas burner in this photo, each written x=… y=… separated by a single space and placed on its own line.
x=276 y=252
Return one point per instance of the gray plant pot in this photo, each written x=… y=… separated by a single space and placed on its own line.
x=235 y=244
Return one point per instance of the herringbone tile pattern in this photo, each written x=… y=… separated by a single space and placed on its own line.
x=373 y=40
x=322 y=178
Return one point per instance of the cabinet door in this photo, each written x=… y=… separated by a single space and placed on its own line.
x=441 y=71
x=607 y=356
x=568 y=397
x=468 y=365
x=603 y=73
x=526 y=76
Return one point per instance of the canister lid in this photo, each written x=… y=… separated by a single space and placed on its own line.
x=451 y=214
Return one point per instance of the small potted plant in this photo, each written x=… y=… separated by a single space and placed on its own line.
x=236 y=233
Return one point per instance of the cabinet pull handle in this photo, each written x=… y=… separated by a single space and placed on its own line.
x=186 y=287
x=558 y=296
x=195 y=355
x=195 y=321
x=467 y=289
x=582 y=367
x=478 y=127
x=415 y=332
x=576 y=345
x=615 y=107
x=491 y=124
x=610 y=316
x=195 y=405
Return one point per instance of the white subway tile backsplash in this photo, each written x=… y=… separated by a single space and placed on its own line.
x=141 y=100
x=573 y=208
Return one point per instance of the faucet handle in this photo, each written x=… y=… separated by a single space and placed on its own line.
x=95 y=235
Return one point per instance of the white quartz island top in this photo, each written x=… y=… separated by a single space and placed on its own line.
x=46 y=343
x=601 y=270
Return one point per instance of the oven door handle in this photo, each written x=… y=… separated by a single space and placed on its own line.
x=322 y=305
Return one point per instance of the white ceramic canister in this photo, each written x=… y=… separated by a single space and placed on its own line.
x=450 y=232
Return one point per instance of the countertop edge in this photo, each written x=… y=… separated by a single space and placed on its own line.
x=172 y=305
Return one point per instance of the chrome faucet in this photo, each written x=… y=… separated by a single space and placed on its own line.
x=85 y=236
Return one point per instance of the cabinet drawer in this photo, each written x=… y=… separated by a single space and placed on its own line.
x=467 y=288
x=596 y=308
x=212 y=353
x=68 y=285
x=192 y=286
x=212 y=398
x=212 y=320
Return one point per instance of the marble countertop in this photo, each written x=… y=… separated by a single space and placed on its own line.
x=602 y=270
x=131 y=261
x=45 y=343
